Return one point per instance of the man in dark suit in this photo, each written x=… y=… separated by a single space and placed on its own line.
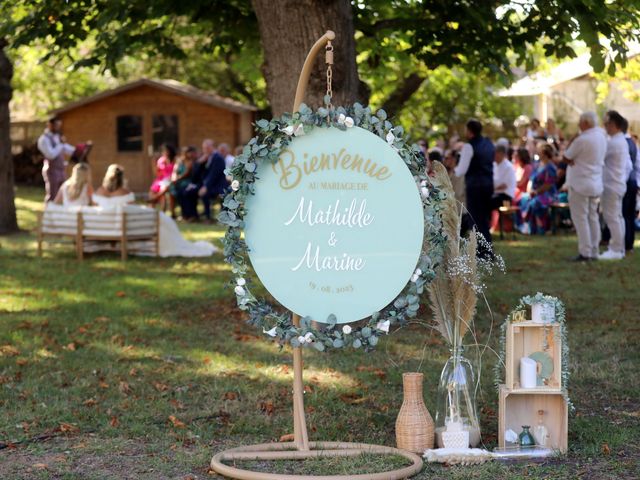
x=214 y=182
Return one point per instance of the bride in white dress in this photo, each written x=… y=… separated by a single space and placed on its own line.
x=112 y=194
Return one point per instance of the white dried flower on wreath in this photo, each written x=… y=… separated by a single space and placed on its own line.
x=346 y=329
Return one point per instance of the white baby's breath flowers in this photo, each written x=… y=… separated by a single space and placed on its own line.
x=235 y=185
x=341 y=118
x=299 y=130
x=271 y=333
x=288 y=130
x=240 y=291
x=390 y=137
x=424 y=191
x=308 y=337
x=346 y=329
x=383 y=326
x=241 y=281
x=302 y=340
x=348 y=122
x=416 y=275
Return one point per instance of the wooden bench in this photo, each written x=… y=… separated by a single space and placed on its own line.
x=128 y=229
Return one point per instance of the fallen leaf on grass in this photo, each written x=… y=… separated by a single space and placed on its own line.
x=175 y=422
x=68 y=428
x=102 y=319
x=9 y=351
x=353 y=399
x=114 y=422
x=21 y=362
x=606 y=450
x=103 y=385
x=124 y=388
x=267 y=407
x=161 y=387
x=289 y=437
x=40 y=466
x=230 y=396
x=70 y=346
x=133 y=372
x=176 y=404
x=90 y=402
x=121 y=294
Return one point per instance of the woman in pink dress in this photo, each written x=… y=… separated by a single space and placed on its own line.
x=524 y=168
x=160 y=186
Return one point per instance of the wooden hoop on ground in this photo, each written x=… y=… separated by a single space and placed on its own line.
x=288 y=451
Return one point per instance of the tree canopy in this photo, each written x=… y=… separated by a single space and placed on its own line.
x=479 y=36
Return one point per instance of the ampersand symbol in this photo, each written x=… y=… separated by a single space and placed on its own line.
x=332 y=239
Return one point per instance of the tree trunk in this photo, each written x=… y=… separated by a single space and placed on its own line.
x=8 y=220
x=403 y=92
x=288 y=29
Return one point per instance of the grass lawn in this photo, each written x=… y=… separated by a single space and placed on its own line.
x=144 y=369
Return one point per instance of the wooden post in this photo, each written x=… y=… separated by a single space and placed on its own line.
x=79 y=228
x=123 y=237
x=157 y=239
x=40 y=220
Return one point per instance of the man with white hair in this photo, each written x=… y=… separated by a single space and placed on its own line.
x=585 y=157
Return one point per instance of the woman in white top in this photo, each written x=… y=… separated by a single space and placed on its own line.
x=113 y=194
x=76 y=191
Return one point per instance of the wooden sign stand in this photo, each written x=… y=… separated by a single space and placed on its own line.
x=301 y=448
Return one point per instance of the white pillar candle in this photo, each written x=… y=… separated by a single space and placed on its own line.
x=543 y=313
x=528 y=369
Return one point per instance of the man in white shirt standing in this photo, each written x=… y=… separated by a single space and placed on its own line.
x=54 y=148
x=585 y=157
x=617 y=166
x=504 y=179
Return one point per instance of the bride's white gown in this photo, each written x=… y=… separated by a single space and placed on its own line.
x=171 y=242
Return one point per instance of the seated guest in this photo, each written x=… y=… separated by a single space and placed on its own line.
x=541 y=194
x=522 y=161
x=164 y=169
x=451 y=161
x=77 y=190
x=181 y=178
x=504 y=179
x=214 y=184
x=113 y=185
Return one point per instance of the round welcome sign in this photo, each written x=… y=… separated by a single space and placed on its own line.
x=336 y=224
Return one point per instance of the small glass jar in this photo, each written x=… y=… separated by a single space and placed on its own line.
x=525 y=437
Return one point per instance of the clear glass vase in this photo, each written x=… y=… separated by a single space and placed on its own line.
x=456 y=403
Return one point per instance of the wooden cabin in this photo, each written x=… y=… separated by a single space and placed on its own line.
x=129 y=124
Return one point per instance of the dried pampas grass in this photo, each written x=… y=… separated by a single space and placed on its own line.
x=453 y=292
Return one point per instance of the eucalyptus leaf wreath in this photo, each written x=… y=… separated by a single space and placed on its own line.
x=272 y=137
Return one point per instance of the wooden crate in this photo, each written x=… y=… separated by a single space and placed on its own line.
x=520 y=407
x=525 y=338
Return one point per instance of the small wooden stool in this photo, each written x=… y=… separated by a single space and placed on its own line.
x=556 y=209
x=508 y=209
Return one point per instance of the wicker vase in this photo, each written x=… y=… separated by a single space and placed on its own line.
x=414 y=425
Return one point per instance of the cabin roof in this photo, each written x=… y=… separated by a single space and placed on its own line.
x=172 y=86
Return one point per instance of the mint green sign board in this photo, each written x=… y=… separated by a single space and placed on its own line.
x=336 y=225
